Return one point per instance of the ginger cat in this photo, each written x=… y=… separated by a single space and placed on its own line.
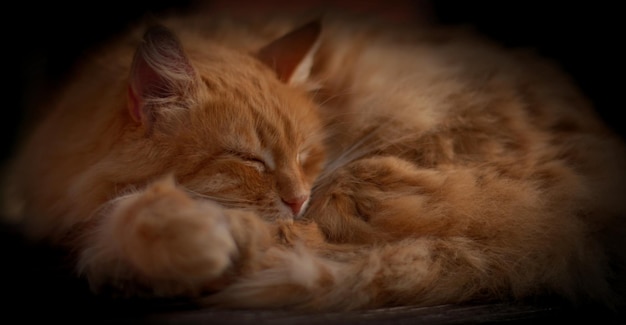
x=323 y=165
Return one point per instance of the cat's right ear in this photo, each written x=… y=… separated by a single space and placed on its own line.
x=291 y=56
x=161 y=74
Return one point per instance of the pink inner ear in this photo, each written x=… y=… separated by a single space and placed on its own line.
x=134 y=106
x=145 y=83
x=286 y=53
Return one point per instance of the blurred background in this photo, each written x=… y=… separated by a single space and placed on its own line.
x=42 y=40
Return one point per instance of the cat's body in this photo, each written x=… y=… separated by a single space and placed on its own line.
x=382 y=167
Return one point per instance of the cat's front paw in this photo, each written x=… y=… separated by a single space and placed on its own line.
x=165 y=239
x=372 y=199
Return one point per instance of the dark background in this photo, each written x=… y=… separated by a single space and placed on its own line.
x=42 y=40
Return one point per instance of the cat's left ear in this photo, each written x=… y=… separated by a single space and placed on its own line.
x=161 y=76
x=291 y=56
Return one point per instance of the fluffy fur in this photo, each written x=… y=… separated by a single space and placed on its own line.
x=346 y=166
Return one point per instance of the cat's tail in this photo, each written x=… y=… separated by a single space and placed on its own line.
x=415 y=271
x=423 y=271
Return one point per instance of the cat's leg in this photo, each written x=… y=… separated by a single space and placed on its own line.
x=514 y=227
x=159 y=241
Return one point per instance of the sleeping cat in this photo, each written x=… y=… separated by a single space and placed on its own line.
x=328 y=164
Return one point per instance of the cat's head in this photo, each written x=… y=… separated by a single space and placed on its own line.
x=234 y=127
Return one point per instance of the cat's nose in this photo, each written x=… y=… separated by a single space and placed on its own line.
x=296 y=203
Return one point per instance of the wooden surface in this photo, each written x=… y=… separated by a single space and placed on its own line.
x=440 y=315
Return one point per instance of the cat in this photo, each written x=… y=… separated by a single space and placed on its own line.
x=323 y=164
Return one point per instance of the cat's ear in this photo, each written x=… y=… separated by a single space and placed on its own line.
x=291 y=56
x=161 y=74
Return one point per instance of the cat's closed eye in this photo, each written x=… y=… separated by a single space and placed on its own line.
x=251 y=160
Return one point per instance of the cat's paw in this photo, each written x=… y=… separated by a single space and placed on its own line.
x=364 y=200
x=166 y=239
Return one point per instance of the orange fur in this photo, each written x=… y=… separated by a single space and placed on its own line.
x=376 y=166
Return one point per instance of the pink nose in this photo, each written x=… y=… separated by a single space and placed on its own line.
x=296 y=203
